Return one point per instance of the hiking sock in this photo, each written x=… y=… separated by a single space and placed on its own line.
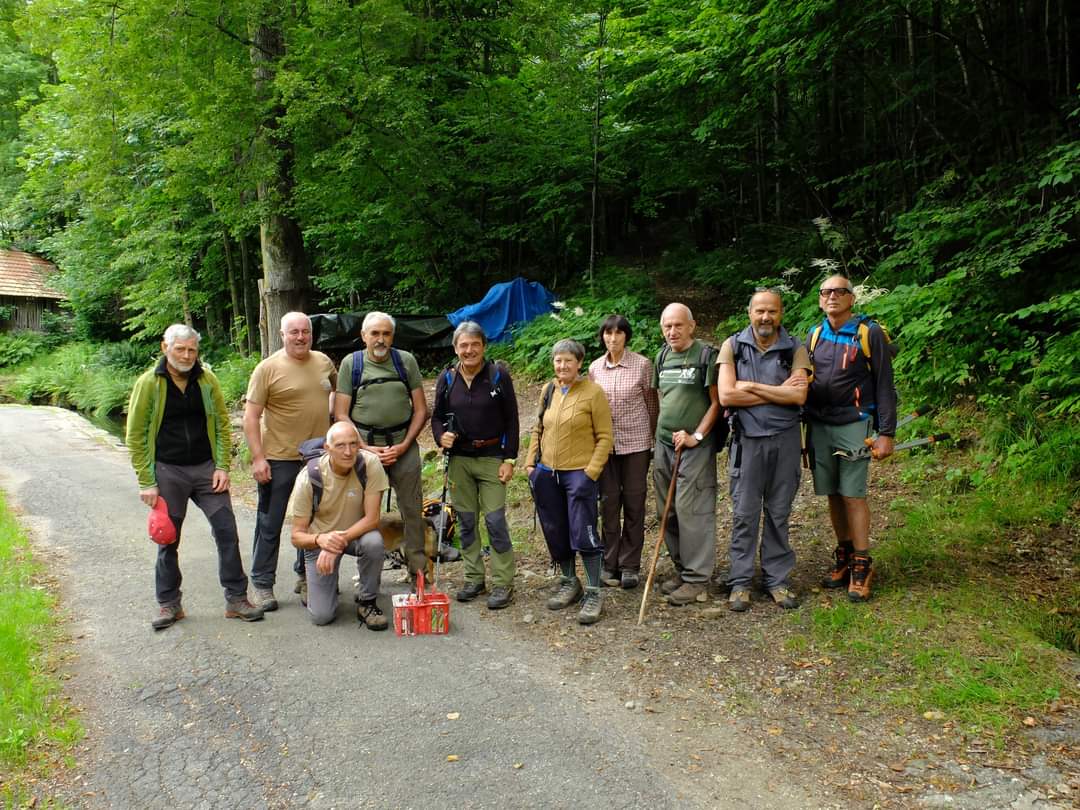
x=567 y=567
x=592 y=563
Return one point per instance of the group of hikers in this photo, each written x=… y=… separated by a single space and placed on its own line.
x=326 y=443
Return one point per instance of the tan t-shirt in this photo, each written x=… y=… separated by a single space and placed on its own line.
x=342 y=502
x=295 y=395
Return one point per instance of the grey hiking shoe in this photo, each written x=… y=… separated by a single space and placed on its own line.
x=370 y=615
x=784 y=597
x=265 y=598
x=590 y=607
x=166 y=616
x=739 y=600
x=629 y=580
x=568 y=593
x=242 y=609
x=470 y=591
x=609 y=578
x=671 y=585
x=688 y=592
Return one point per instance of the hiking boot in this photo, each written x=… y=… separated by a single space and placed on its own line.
x=609 y=578
x=839 y=574
x=265 y=598
x=448 y=553
x=739 y=600
x=671 y=585
x=630 y=580
x=862 y=574
x=371 y=616
x=167 y=616
x=242 y=609
x=301 y=588
x=784 y=597
x=470 y=591
x=590 y=607
x=688 y=592
x=568 y=593
x=500 y=597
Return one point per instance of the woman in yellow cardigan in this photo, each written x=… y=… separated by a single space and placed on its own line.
x=569 y=448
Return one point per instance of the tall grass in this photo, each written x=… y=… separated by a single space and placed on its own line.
x=32 y=714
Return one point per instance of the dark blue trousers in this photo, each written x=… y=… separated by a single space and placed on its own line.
x=566 y=505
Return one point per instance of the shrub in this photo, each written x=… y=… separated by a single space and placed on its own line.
x=16 y=348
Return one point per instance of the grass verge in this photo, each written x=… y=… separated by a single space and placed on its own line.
x=36 y=726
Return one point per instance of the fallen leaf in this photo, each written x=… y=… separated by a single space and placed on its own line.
x=934 y=714
x=453 y=715
x=1030 y=722
x=451 y=757
x=518 y=766
x=899 y=767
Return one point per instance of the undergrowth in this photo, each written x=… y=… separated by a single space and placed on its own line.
x=33 y=717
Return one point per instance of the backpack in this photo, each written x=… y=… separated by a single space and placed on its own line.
x=494 y=371
x=545 y=403
x=311 y=451
x=861 y=331
x=721 y=428
x=358 y=373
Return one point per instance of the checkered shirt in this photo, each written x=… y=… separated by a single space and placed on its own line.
x=634 y=405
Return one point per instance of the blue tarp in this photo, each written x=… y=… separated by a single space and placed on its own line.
x=504 y=305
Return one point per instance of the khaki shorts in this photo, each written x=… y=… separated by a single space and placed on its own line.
x=835 y=475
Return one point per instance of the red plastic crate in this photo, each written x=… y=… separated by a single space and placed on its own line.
x=421 y=614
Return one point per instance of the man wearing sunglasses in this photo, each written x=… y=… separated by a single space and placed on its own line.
x=851 y=395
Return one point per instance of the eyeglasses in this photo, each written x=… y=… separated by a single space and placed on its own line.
x=831 y=292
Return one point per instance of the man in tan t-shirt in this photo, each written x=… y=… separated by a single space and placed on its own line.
x=287 y=402
x=344 y=521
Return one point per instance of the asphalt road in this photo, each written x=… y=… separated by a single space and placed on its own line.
x=219 y=713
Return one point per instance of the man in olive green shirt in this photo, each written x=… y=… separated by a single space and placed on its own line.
x=381 y=391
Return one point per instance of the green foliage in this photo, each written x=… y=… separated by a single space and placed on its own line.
x=233 y=372
x=90 y=377
x=617 y=291
x=16 y=348
x=32 y=715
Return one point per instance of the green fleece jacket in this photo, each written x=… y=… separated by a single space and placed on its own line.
x=577 y=433
x=146 y=408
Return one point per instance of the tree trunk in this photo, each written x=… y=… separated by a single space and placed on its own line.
x=286 y=284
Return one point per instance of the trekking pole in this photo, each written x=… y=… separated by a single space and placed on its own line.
x=660 y=539
x=441 y=534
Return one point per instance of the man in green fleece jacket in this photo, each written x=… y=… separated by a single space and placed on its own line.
x=178 y=437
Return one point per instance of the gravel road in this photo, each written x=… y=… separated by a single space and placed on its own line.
x=275 y=714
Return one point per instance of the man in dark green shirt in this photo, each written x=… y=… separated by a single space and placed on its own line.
x=685 y=377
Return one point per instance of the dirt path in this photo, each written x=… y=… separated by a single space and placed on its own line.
x=279 y=714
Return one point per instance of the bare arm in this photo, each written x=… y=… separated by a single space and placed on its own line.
x=260 y=467
x=684 y=439
x=744 y=393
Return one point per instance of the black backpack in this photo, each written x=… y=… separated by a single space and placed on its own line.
x=311 y=451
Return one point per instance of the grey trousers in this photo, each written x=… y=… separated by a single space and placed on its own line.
x=766 y=480
x=322 y=588
x=691 y=528
x=405 y=478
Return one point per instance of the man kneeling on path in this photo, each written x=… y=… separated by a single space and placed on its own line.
x=762 y=375
x=178 y=437
x=337 y=514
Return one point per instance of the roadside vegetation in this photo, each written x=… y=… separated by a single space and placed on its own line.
x=36 y=726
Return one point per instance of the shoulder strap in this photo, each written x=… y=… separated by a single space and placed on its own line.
x=815 y=336
x=449 y=375
x=494 y=375
x=399 y=366
x=664 y=352
x=315 y=477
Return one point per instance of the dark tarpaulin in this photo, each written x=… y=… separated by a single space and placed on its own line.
x=337 y=335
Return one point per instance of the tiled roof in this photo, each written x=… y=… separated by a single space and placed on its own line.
x=23 y=275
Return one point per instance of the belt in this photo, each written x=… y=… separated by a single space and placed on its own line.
x=478 y=443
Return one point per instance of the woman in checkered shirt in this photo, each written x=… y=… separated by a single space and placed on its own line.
x=626 y=378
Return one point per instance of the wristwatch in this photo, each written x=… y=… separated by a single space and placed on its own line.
x=698 y=437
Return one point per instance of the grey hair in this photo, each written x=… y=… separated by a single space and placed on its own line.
x=568 y=346
x=288 y=316
x=373 y=317
x=179 y=331
x=336 y=425
x=471 y=328
x=771 y=291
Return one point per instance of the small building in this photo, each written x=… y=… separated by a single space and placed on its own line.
x=25 y=291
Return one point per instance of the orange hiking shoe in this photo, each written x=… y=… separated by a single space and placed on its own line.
x=862 y=574
x=839 y=575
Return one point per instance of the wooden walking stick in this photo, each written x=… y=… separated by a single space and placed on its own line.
x=660 y=539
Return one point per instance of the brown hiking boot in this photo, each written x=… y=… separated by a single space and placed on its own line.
x=671 y=585
x=839 y=574
x=862 y=574
x=242 y=609
x=166 y=616
x=688 y=592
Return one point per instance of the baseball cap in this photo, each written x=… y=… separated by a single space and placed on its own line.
x=160 y=525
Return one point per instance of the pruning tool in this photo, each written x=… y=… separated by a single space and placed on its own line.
x=867 y=451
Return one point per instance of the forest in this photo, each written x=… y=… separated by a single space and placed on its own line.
x=222 y=162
